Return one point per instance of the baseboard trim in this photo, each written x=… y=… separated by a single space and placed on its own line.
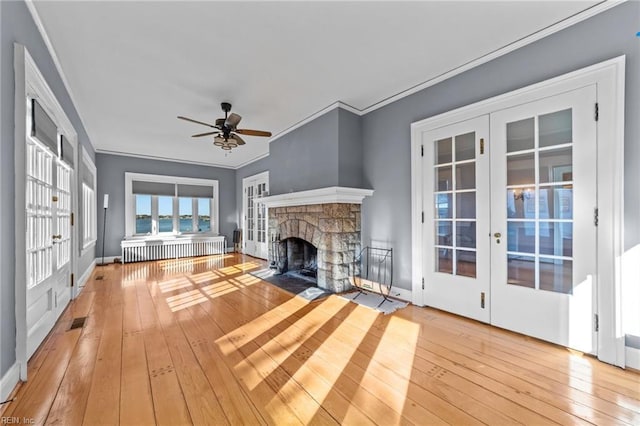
x=401 y=293
x=85 y=276
x=632 y=358
x=107 y=259
x=9 y=381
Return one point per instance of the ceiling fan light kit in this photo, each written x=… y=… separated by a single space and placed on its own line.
x=225 y=135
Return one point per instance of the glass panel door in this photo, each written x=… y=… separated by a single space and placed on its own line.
x=255 y=216
x=457 y=182
x=543 y=251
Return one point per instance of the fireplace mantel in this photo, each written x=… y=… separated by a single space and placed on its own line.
x=329 y=195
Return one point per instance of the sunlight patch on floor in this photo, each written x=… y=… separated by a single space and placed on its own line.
x=248 y=332
x=396 y=383
x=174 y=284
x=292 y=337
x=337 y=364
x=185 y=300
x=204 y=277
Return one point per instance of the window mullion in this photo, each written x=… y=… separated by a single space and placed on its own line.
x=154 y=214
x=194 y=217
x=176 y=215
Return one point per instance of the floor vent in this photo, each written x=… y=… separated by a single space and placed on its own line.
x=78 y=323
x=99 y=278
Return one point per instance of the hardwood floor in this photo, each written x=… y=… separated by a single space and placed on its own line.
x=200 y=341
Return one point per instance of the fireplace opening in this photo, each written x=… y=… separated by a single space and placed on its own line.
x=299 y=258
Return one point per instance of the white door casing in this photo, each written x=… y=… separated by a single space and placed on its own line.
x=608 y=77
x=40 y=299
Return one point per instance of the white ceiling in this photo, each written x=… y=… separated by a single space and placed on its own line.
x=132 y=67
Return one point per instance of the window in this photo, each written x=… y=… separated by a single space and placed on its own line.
x=89 y=215
x=89 y=209
x=168 y=205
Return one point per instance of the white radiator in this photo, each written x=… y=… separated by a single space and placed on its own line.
x=139 y=250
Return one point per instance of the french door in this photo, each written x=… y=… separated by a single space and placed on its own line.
x=255 y=215
x=48 y=241
x=509 y=234
x=457 y=181
x=543 y=228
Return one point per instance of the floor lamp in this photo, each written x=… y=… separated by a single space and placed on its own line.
x=105 y=204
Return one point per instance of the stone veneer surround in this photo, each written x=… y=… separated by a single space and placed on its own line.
x=334 y=229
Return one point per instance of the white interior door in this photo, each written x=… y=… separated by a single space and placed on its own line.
x=255 y=215
x=456 y=222
x=543 y=197
x=48 y=241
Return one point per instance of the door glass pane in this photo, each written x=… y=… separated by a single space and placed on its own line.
x=521 y=169
x=443 y=151
x=143 y=214
x=466 y=234
x=521 y=237
x=556 y=238
x=545 y=207
x=521 y=203
x=444 y=206
x=466 y=263
x=555 y=128
x=466 y=176
x=444 y=261
x=556 y=275
x=444 y=181
x=521 y=270
x=555 y=165
x=466 y=147
x=466 y=205
x=204 y=214
x=444 y=235
x=520 y=135
x=557 y=202
x=165 y=214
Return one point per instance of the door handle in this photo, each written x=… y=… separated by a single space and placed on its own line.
x=57 y=237
x=497 y=235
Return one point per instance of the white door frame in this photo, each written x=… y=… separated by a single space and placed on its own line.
x=30 y=82
x=609 y=78
x=259 y=176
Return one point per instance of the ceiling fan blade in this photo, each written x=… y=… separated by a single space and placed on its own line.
x=237 y=138
x=196 y=121
x=253 y=132
x=205 y=134
x=233 y=120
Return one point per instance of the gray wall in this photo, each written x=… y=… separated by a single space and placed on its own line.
x=111 y=170
x=386 y=131
x=350 y=160
x=16 y=25
x=306 y=158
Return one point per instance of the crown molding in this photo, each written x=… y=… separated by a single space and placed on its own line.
x=316 y=115
x=538 y=35
x=158 y=158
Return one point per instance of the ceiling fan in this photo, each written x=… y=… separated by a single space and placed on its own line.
x=226 y=133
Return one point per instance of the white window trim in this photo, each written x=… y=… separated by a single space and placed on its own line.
x=609 y=76
x=88 y=164
x=130 y=203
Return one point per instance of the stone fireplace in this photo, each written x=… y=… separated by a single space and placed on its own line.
x=327 y=219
